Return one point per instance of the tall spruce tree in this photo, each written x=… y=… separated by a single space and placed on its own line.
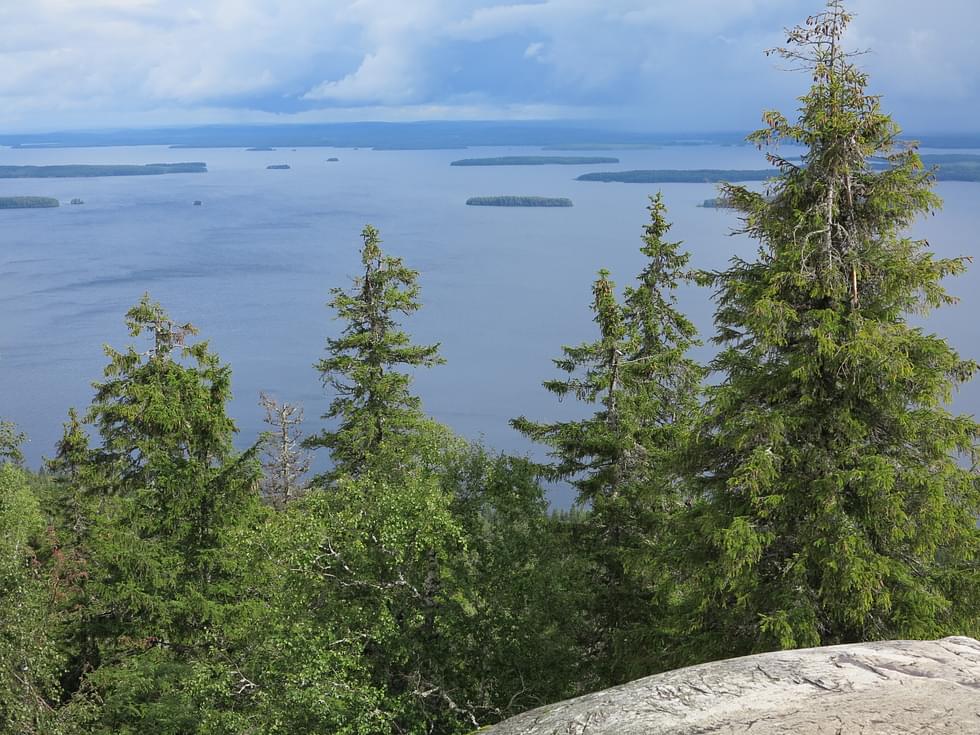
x=838 y=502
x=622 y=459
x=373 y=404
x=164 y=489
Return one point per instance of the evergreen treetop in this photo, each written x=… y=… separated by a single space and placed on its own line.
x=373 y=404
x=835 y=504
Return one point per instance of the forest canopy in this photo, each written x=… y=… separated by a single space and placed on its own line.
x=808 y=486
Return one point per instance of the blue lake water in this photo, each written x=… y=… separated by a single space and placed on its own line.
x=503 y=288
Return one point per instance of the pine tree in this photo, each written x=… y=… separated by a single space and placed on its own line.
x=835 y=506
x=622 y=459
x=373 y=404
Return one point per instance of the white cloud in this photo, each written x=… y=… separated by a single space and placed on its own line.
x=691 y=63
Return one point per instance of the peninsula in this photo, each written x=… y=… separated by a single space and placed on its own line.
x=679 y=176
x=88 y=170
x=535 y=161
x=518 y=201
x=28 y=202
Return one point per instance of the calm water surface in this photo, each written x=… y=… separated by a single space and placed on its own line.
x=502 y=288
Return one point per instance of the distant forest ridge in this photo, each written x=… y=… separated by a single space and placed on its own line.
x=551 y=134
x=88 y=170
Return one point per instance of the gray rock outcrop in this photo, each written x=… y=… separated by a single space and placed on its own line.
x=884 y=688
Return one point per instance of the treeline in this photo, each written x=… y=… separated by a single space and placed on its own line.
x=807 y=487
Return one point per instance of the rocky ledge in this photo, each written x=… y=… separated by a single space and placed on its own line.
x=884 y=688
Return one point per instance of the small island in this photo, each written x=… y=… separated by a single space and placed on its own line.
x=716 y=203
x=87 y=170
x=278 y=166
x=260 y=148
x=76 y=201
x=518 y=201
x=332 y=160
x=679 y=176
x=197 y=202
x=535 y=161
x=28 y=202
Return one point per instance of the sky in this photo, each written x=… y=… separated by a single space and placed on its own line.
x=651 y=65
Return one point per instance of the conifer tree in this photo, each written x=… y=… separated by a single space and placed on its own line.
x=165 y=489
x=373 y=404
x=838 y=501
x=284 y=461
x=622 y=459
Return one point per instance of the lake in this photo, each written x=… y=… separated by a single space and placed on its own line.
x=502 y=288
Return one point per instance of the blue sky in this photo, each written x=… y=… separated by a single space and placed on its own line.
x=660 y=65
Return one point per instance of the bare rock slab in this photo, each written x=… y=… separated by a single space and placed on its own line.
x=883 y=688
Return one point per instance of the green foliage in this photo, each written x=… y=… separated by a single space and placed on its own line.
x=158 y=498
x=373 y=404
x=29 y=658
x=623 y=457
x=836 y=505
x=11 y=441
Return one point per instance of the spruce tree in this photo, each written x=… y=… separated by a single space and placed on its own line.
x=164 y=489
x=838 y=502
x=373 y=404
x=622 y=458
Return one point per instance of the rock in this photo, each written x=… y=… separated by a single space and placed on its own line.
x=884 y=688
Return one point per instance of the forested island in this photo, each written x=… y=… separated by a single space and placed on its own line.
x=535 y=161
x=28 y=202
x=260 y=148
x=949 y=166
x=717 y=203
x=806 y=487
x=518 y=201
x=333 y=159
x=92 y=170
x=278 y=167
x=678 y=176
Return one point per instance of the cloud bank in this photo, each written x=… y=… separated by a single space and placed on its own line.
x=653 y=64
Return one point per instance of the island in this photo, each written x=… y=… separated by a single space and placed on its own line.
x=679 y=176
x=260 y=148
x=278 y=166
x=28 y=202
x=88 y=170
x=535 y=161
x=197 y=202
x=518 y=201
x=76 y=201
x=716 y=203
x=332 y=160
x=948 y=166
